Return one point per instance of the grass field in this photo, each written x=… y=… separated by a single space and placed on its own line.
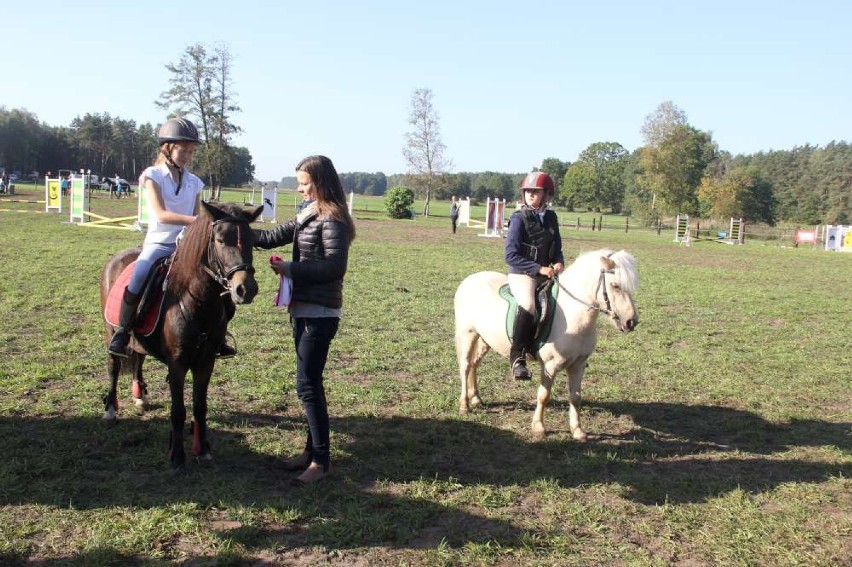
x=720 y=431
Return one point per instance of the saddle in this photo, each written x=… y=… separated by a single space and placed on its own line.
x=545 y=307
x=150 y=303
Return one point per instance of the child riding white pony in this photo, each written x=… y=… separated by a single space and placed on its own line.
x=597 y=282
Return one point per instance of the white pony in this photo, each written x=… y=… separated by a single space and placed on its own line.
x=602 y=281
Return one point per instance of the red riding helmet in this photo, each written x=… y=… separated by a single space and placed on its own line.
x=538 y=180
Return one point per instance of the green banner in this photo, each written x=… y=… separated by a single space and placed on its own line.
x=78 y=200
x=142 y=211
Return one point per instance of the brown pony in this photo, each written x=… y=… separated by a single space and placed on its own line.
x=214 y=259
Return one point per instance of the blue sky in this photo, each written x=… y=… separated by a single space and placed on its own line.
x=513 y=82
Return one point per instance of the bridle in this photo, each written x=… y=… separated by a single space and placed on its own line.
x=596 y=306
x=222 y=275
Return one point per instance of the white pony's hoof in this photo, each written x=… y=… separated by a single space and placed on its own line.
x=139 y=395
x=579 y=436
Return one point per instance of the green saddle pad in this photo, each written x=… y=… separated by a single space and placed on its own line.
x=542 y=327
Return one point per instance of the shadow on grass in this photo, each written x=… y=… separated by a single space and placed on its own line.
x=97 y=557
x=676 y=453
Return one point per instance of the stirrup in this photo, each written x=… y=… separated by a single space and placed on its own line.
x=113 y=347
x=226 y=350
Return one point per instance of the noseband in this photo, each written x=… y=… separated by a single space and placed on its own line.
x=222 y=275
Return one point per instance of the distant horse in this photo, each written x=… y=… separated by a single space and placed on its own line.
x=597 y=282
x=115 y=188
x=214 y=259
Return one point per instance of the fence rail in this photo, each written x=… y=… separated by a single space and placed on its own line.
x=780 y=235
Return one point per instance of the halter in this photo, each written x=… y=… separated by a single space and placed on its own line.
x=222 y=275
x=595 y=306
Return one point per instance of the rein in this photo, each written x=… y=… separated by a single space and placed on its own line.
x=595 y=306
x=222 y=275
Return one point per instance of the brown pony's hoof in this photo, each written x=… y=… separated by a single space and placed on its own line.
x=139 y=395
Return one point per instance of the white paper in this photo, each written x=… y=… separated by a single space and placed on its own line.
x=285 y=292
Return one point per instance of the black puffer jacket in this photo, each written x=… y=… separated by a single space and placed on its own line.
x=320 y=257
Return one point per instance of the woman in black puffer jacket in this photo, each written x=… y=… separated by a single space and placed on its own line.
x=321 y=234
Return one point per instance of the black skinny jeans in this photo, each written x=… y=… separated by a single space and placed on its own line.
x=313 y=339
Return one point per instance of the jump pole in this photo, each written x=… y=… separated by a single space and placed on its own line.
x=838 y=238
x=736 y=234
x=464 y=213
x=52 y=199
x=4 y=200
x=681 y=228
x=495 y=215
x=81 y=216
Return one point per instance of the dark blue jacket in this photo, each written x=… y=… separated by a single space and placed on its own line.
x=528 y=250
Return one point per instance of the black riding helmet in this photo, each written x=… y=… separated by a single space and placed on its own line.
x=177 y=130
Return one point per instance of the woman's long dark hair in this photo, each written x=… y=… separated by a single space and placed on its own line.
x=330 y=199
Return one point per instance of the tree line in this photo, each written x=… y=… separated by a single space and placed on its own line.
x=478 y=186
x=361 y=183
x=679 y=169
x=104 y=144
x=199 y=89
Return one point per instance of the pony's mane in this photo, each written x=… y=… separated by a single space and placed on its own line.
x=190 y=254
x=626 y=275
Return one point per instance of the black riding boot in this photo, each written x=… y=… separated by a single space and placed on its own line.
x=126 y=319
x=226 y=350
x=521 y=337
